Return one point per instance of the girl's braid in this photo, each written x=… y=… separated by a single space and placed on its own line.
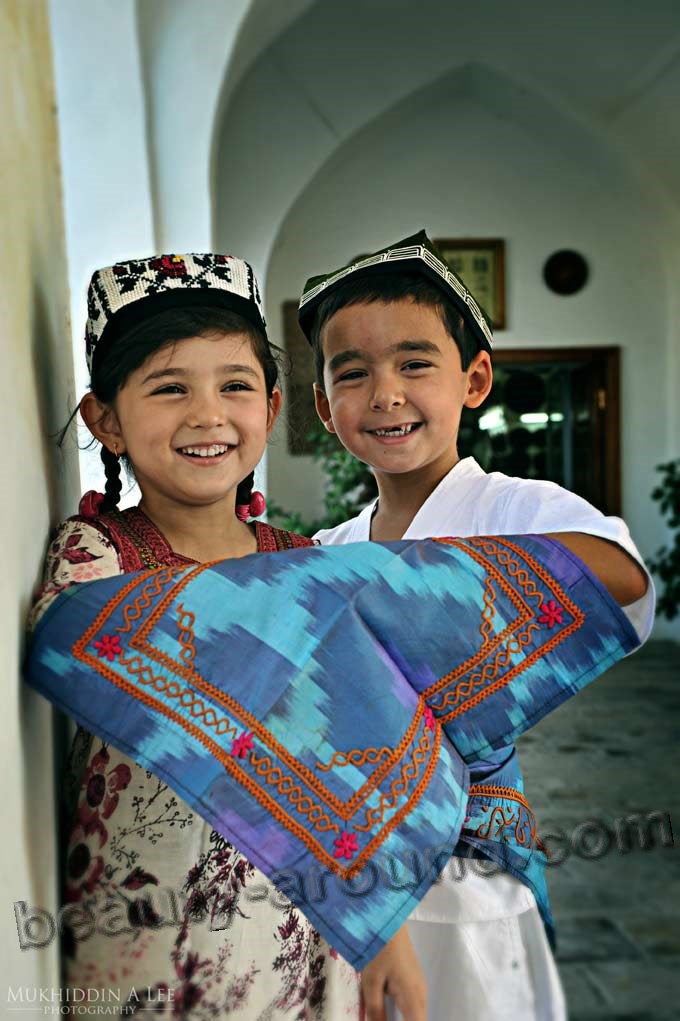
x=113 y=483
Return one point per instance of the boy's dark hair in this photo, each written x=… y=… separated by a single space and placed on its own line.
x=389 y=287
x=162 y=330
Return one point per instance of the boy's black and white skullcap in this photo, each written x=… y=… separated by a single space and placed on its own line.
x=121 y=296
x=415 y=254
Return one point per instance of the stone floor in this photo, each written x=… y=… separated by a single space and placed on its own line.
x=609 y=753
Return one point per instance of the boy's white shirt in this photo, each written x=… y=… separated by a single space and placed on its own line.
x=469 y=501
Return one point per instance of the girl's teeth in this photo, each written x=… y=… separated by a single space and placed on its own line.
x=206 y=451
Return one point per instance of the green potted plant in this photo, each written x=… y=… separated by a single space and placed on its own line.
x=349 y=486
x=666 y=563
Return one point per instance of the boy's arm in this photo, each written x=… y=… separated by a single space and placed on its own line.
x=621 y=575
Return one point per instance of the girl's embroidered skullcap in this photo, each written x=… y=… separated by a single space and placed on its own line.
x=121 y=296
x=415 y=254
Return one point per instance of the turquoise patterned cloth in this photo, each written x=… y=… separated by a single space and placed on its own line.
x=320 y=707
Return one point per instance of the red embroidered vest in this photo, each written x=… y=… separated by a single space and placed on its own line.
x=141 y=546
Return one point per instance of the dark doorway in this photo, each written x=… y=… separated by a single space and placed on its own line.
x=552 y=414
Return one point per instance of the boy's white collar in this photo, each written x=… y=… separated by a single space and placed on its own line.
x=464 y=468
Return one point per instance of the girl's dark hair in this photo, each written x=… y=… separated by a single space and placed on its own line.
x=389 y=287
x=133 y=348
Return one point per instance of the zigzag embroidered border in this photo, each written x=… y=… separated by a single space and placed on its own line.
x=463 y=693
x=462 y=687
x=151 y=585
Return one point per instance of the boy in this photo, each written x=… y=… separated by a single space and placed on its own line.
x=400 y=348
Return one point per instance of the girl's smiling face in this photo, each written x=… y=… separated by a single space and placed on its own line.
x=193 y=419
x=394 y=388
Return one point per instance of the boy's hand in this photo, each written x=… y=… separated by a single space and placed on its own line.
x=395 y=970
x=619 y=573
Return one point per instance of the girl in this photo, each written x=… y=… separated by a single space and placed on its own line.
x=165 y=912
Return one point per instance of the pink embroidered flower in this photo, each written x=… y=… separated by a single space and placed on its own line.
x=346 y=845
x=86 y=572
x=429 y=718
x=102 y=786
x=84 y=866
x=109 y=646
x=241 y=745
x=551 y=613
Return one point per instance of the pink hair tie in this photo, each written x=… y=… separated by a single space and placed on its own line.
x=90 y=504
x=257 y=506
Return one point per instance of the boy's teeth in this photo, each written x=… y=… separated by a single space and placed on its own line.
x=400 y=430
x=217 y=448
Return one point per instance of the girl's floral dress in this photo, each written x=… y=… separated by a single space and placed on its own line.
x=163 y=915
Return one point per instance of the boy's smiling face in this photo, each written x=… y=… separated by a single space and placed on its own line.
x=395 y=388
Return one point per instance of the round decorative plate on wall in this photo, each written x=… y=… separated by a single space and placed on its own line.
x=565 y=272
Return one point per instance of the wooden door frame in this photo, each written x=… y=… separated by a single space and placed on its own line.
x=609 y=358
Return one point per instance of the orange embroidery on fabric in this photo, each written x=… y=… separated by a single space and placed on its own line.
x=399 y=786
x=191 y=675
x=491 y=548
x=347 y=810
x=464 y=689
x=523 y=818
x=171 y=689
x=105 y=613
x=285 y=785
x=503 y=681
x=498 y=548
x=224 y=758
x=525 y=615
x=134 y=610
x=356 y=757
x=185 y=623
x=237 y=772
x=227 y=760
x=488 y=612
x=500 y=817
x=343 y=809
x=399 y=816
x=492 y=790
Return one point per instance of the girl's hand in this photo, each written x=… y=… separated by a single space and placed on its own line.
x=395 y=970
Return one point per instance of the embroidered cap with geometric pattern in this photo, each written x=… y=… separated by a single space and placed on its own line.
x=121 y=296
x=415 y=254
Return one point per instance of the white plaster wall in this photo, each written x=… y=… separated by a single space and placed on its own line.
x=36 y=387
x=193 y=56
x=105 y=165
x=339 y=65
x=479 y=157
x=186 y=49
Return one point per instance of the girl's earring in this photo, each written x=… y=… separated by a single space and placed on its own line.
x=115 y=450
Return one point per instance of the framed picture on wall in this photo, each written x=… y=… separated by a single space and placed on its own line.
x=480 y=263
